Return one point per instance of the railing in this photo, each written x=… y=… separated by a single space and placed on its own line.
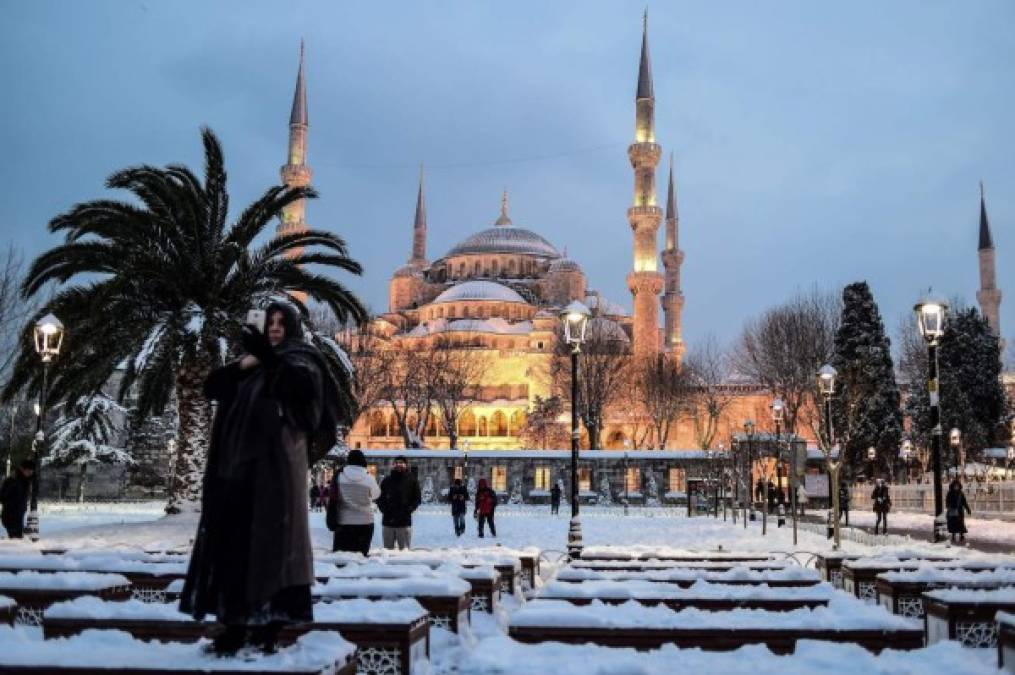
x=858 y=536
x=986 y=499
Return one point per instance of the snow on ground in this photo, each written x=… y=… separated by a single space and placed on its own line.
x=486 y=649
x=981 y=529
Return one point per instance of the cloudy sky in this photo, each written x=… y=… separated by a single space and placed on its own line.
x=815 y=143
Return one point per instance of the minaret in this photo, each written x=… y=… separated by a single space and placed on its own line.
x=644 y=215
x=419 y=228
x=989 y=296
x=673 y=258
x=296 y=173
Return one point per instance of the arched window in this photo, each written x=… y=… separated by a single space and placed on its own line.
x=511 y=266
x=517 y=422
x=498 y=424
x=378 y=425
x=476 y=269
x=494 y=267
x=467 y=424
x=482 y=427
x=615 y=440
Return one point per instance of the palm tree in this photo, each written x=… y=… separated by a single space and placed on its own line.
x=162 y=286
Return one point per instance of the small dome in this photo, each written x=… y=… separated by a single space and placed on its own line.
x=606 y=329
x=479 y=290
x=564 y=265
x=600 y=305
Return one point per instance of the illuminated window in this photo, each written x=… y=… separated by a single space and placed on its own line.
x=459 y=473
x=584 y=479
x=482 y=427
x=467 y=424
x=372 y=470
x=542 y=478
x=498 y=478
x=498 y=424
x=677 y=480
x=632 y=479
x=378 y=425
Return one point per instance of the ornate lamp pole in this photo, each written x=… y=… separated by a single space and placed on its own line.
x=749 y=432
x=48 y=335
x=872 y=455
x=826 y=385
x=930 y=318
x=955 y=440
x=905 y=454
x=575 y=318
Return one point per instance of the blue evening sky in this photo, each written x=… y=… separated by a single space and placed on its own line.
x=815 y=142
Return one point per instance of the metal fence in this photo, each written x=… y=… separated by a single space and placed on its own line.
x=857 y=535
x=988 y=499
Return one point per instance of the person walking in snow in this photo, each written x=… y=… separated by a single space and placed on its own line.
x=486 y=504
x=882 y=502
x=844 y=498
x=400 y=497
x=956 y=508
x=555 y=499
x=277 y=410
x=458 y=495
x=14 y=494
x=315 y=494
x=353 y=491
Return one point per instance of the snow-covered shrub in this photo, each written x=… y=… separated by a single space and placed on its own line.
x=83 y=434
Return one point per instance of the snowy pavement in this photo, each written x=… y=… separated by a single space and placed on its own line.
x=485 y=648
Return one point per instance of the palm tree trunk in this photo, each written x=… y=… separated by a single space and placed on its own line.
x=192 y=435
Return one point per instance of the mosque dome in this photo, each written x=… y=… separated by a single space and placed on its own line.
x=564 y=264
x=504 y=237
x=479 y=290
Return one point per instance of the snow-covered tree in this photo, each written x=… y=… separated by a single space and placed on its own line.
x=428 y=490
x=651 y=489
x=84 y=434
x=516 y=491
x=605 y=493
x=866 y=407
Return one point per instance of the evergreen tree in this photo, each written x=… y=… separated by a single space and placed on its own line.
x=972 y=396
x=866 y=407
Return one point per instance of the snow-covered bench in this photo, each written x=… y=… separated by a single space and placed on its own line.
x=148 y=574
x=901 y=592
x=701 y=595
x=967 y=616
x=784 y=578
x=646 y=565
x=116 y=652
x=634 y=625
x=670 y=554
x=446 y=598
x=830 y=564
x=509 y=567
x=34 y=592
x=1005 y=641
x=483 y=579
x=859 y=577
x=393 y=636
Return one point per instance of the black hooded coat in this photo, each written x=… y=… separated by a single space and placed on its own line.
x=252 y=560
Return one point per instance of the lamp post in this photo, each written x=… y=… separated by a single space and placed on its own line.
x=749 y=432
x=778 y=415
x=48 y=335
x=955 y=440
x=872 y=455
x=1011 y=460
x=930 y=318
x=719 y=482
x=575 y=318
x=826 y=385
x=906 y=453
x=465 y=468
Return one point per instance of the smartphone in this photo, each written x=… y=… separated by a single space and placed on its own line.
x=255 y=318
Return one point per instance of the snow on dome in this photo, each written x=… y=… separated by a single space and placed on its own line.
x=600 y=305
x=564 y=265
x=495 y=325
x=479 y=290
x=607 y=329
x=506 y=239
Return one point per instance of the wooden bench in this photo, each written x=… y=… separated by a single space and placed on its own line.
x=148 y=577
x=117 y=653
x=859 y=577
x=447 y=599
x=966 y=616
x=34 y=592
x=1005 y=641
x=648 y=565
x=708 y=597
x=829 y=565
x=509 y=567
x=719 y=631
x=902 y=592
x=392 y=637
x=791 y=577
x=603 y=553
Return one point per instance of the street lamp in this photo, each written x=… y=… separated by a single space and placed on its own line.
x=826 y=385
x=930 y=319
x=627 y=498
x=955 y=440
x=872 y=455
x=48 y=334
x=906 y=453
x=719 y=483
x=1011 y=459
x=749 y=432
x=575 y=318
x=778 y=414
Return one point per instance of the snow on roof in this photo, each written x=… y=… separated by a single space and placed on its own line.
x=495 y=325
x=601 y=305
x=479 y=290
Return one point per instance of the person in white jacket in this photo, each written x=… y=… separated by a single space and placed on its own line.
x=356 y=491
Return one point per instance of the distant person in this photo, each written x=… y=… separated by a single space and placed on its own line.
x=315 y=496
x=14 y=494
x=956 y=508
x=555 y=499
x=801 y=500
x=459 y=498
x=353 y=490
x=400 y=497
x=486 y=504
x=882 y=502
x=844 y=498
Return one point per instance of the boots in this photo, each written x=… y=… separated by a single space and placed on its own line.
x=229 y=641
x=265 y=637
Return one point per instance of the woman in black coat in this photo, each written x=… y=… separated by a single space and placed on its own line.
x=252 y=565
x=956 y=508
